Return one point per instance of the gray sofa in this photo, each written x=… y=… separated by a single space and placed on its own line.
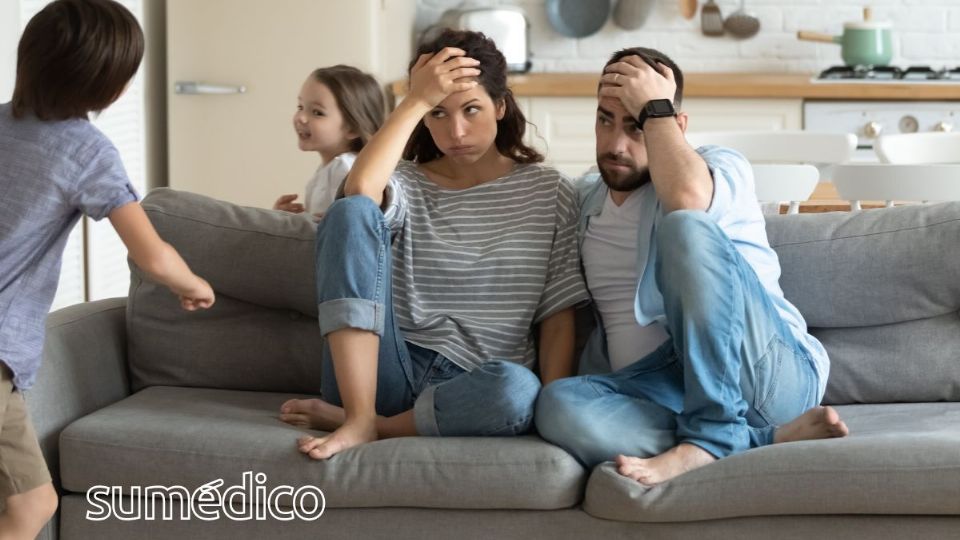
x=136 y=392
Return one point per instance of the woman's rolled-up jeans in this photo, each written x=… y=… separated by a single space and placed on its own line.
x=353 y=275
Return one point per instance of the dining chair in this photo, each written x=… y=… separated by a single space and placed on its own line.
x=897 y=182
x=788 y=158
x=916 y=148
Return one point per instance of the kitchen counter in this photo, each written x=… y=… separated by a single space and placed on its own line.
x=734 y=85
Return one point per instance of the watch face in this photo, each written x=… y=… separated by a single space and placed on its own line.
x=661 y=106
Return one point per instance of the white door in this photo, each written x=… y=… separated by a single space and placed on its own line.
x=241 y=147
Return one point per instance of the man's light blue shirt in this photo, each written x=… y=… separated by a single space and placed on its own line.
x=735 y=209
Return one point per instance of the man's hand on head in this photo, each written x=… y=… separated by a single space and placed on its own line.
x=634 y=83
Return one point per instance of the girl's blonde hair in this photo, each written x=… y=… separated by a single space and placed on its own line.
x=359 y=99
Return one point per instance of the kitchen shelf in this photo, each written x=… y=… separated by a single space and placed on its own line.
x=735 y=85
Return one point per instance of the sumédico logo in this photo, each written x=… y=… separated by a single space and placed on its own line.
x=247 y=501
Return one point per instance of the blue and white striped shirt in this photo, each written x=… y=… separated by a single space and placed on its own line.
x=474 y=269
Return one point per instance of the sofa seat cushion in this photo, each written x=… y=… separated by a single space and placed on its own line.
x=169 y=436
x=898 y=459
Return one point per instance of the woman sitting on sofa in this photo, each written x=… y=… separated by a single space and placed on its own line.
x=433 y=272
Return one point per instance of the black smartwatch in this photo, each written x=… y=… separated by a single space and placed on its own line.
x=655 y=108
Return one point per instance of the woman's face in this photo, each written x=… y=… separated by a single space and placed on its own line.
x=464 y=125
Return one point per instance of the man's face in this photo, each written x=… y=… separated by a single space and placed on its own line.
x=621 y=152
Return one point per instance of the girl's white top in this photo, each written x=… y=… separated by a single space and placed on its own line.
x=322 y=188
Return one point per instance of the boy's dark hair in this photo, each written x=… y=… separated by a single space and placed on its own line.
x=651 y=57
x=493 y=78
x=359 y=99
x=75 y=57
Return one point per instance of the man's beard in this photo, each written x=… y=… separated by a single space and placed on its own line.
x=636 y=178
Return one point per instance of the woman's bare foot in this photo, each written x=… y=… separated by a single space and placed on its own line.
x=680 y=459
x=816 y=423
x=320 y=415
x=351 y=433
x=312 y=414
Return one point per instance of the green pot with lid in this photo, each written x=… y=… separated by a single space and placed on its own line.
x=863 y=43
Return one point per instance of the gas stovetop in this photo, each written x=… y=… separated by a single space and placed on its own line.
x=888 y=74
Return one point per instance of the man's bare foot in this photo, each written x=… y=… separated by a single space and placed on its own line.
x=680 y=459
x=816 y=423
x=350 y=434
x=312 y=414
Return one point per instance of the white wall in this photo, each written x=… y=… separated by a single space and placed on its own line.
x=925 y=32
x=155 y=91
x=394 y=21
x=9 y=34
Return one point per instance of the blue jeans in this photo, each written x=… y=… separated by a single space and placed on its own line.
x=354 y=291
x=730 y=373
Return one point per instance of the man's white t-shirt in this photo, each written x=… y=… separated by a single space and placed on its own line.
x=610 y=244
x=736 y=211
x=322 y=188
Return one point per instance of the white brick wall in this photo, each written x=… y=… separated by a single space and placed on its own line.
x=926 y=32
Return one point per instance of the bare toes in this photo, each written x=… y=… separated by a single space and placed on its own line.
x=326 y=450
x=637 y=473
x=629 y=460
x=295 y=419
x=631 y=467
x=293 y=406
x=311 y=443
x=318 y=455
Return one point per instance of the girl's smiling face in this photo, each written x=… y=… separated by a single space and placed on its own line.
x=319 y=125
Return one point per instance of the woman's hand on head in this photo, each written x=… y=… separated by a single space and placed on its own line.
x=436 y=76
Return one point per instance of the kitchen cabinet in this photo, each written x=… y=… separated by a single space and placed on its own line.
x=743 y=114
x=562 y=106
x=562 y=130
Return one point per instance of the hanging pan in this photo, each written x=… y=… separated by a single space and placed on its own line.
x=578 y=18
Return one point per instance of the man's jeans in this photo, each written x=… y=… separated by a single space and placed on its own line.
x=354 y=291
x=728 y=376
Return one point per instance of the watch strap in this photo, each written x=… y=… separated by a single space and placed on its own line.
x=649 y=112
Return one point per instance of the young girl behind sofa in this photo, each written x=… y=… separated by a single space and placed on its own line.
x=75 y=57
x=339 y=108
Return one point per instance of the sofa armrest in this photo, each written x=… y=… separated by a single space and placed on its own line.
x=84 y=369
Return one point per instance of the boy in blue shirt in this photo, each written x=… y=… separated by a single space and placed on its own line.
x=75 y=57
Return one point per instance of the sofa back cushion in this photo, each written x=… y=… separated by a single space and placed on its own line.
x=262 y=332
x=881 y=290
